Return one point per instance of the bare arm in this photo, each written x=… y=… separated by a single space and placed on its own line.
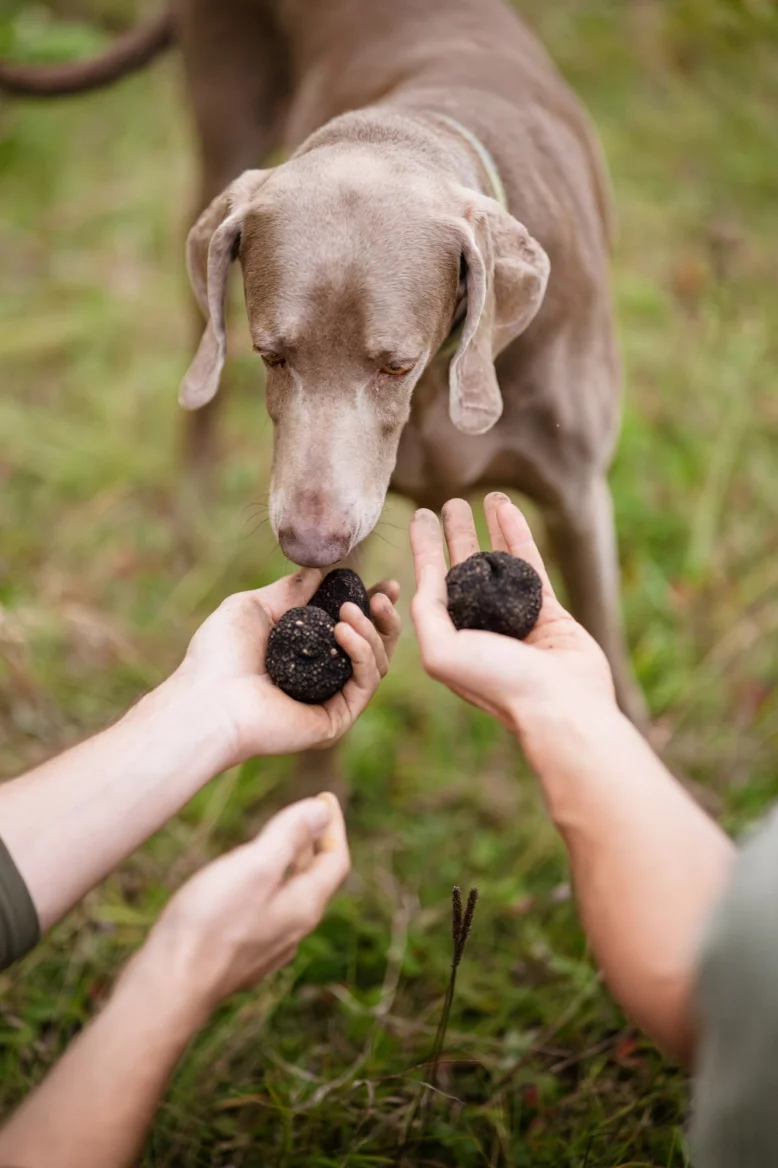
x=74 y=819
x=648 y=864
x=70 y=822
x=94 y=1109
x=648 y=867
x=233 y=923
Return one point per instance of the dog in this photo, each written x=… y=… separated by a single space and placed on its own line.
x=426 y=276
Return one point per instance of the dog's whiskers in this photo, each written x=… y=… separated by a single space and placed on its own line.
x=257 y=504
x=384 y=539
x=250 y=534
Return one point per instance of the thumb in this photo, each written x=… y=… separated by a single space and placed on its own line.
x=291 y=836
x=289 y=592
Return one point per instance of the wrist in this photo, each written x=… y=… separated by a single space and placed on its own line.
x=586 y=762
x=564 y=733
x=151 y=990
x=189 y=718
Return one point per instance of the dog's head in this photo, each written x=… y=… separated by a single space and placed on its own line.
x=356 y=265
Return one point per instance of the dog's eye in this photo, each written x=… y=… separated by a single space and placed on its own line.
x=272 y=360
x=397 y=368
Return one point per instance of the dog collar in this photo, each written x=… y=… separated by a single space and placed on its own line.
x=488 y=163
x=449 y=346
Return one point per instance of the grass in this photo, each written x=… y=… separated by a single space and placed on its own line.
x=320 y=1067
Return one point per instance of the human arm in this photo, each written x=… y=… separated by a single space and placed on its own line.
x=236 y=921
x=70 y=822
x=648 y=864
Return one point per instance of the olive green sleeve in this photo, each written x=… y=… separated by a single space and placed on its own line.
x=19 y=926
x=736 y=1081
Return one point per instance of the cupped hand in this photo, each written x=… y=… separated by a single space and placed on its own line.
x=245 y=914
x=532 y=686
x=225 y=663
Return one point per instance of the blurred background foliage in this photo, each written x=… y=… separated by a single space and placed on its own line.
x=99 y=592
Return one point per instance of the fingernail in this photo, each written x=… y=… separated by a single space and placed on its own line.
x=317 y=814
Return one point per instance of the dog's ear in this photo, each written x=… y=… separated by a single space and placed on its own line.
x=507 y=273
x=211 y=247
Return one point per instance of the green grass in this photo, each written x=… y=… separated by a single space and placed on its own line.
x=318 y=1067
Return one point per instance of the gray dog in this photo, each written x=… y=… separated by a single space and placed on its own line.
x=426 y=277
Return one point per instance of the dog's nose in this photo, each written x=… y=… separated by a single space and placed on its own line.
x=313 y=546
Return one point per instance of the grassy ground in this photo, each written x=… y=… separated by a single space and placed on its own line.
x=97 y=602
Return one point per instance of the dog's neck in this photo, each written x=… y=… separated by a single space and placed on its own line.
x=484 y=157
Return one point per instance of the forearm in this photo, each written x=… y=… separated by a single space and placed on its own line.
x=94 y=1109
x=74 y=819
x=648 y=866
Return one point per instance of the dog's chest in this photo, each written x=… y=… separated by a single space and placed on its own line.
x=434 y=456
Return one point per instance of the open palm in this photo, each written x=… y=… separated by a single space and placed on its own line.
x=558 y=663
x=226 y=657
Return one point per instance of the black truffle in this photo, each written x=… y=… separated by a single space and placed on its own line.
x=496 y=592
x=303 y=657
x=337 y=589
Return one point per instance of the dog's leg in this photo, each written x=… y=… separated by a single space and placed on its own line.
x=316 y=771
x=584 y=541
x=583 y=538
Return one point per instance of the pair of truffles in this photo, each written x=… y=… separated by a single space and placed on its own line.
x=492 y=591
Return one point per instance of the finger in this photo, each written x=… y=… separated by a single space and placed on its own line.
x=366 y=674
x=352 y=616
x=303 y=861
x=334 y=837
x=290 y=836
x=387 y=621
x=427 y=543
x=289 y=592
x=299 y=905
x=459 y=528
x=433 y=625
x=388 y=588
x=519 y=541
x=491 y=505
x=306 y=896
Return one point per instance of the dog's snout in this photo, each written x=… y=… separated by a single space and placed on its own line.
x=313 y=545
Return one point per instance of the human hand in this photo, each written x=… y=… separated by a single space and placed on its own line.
x=244 y=915
x=534 y=686
x=225 y=666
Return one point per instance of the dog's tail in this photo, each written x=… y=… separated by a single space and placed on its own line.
x=130 y=52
